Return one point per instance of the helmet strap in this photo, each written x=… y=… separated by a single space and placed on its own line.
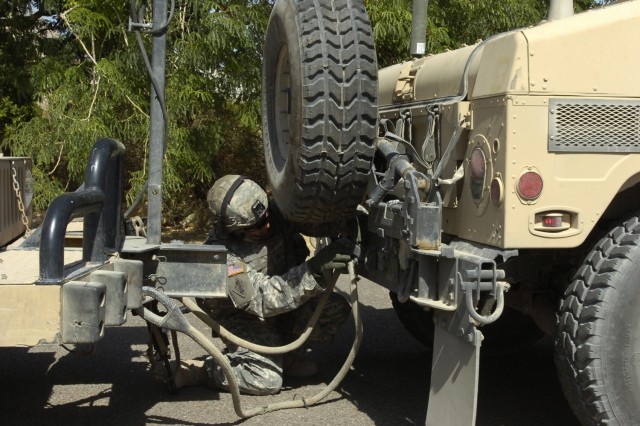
x=227 y=198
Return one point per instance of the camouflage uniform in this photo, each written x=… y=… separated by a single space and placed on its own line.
x=272 y=295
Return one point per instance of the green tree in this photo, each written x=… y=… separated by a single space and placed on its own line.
x=23 y=41
x=71 y=73
x=98 y=88
x=452 y=23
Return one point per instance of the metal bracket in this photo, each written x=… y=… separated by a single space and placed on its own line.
x=422 y=219
x=405 y=86
x=454 y=377
x=454 y=370
x=457 y=341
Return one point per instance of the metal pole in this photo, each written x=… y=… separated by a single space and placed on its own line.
x=419 y=28
x=157 y=133
x=559 y=9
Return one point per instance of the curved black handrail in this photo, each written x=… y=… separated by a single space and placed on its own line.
x=99 y=201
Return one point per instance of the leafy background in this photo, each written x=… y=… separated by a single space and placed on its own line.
x=71 y=72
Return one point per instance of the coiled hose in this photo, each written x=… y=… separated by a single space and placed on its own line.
x=261 y=349
x=175 y=320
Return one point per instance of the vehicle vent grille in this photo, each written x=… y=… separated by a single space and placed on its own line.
x=594 y=125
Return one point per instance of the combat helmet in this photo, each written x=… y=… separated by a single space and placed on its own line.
x=237 y=202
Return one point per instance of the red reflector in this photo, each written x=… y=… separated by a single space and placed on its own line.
x=530 y=185
x=478 y=170
x=496 y=191
x=553 y=221
x=478 y=164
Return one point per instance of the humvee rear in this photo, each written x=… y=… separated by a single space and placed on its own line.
x=503 y=191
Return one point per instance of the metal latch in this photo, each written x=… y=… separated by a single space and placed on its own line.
x=405 y=86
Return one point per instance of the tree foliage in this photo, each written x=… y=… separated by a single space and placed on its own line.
x=71 y=72
x=452 y=23
x=23 y=40
x=96 y=86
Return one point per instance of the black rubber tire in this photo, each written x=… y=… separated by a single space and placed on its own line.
x=417 y=321
x=319 y=107
x=598 y=339
x=513 y=332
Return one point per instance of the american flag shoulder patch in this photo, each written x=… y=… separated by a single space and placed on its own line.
x=235 y=268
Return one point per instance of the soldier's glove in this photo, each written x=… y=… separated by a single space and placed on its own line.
x=334 y=256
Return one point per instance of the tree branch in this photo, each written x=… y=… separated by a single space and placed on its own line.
x=59 y=158
x=93 y=101
x=136 y=106
x=84 y=47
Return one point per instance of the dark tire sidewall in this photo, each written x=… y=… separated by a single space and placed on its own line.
x=332 y=108
x=514 y=331
x=417 y=321
x=621 y=343
x=598 y=341
x=282 y=32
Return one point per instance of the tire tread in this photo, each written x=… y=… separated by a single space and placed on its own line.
x=581 y=320
x=339 y=103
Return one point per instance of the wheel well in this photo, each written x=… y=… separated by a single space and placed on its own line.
x=625 y=203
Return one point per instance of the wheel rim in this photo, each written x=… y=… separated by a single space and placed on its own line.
x=282 y=108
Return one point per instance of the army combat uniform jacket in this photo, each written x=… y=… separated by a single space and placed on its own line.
x=268 y=286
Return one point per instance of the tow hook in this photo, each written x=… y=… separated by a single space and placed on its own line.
x=484 y=280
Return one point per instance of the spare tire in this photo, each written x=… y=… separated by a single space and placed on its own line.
x=319 y=107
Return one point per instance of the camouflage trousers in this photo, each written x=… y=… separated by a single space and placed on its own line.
x=262 y=374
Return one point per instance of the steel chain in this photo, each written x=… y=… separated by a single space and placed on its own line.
x=16 y=189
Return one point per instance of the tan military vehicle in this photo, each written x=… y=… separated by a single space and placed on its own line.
x=495 y=191
x=503 y=194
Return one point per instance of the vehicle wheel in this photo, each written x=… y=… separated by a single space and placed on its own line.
x=513 y=332
x=319 y=107
x=598 y=339
x=417 y=321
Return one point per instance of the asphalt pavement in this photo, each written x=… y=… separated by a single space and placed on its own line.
x=387 y=385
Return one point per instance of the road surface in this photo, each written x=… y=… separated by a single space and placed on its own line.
x=388 y=384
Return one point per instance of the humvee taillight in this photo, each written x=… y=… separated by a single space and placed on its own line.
x=497 y=191
x=552 y=221
x=529 y=185
x=478 y=171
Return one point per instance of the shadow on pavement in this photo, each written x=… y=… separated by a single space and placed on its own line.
x=388 y=385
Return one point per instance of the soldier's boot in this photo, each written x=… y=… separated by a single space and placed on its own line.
x=190 y=373
x=297 y=364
